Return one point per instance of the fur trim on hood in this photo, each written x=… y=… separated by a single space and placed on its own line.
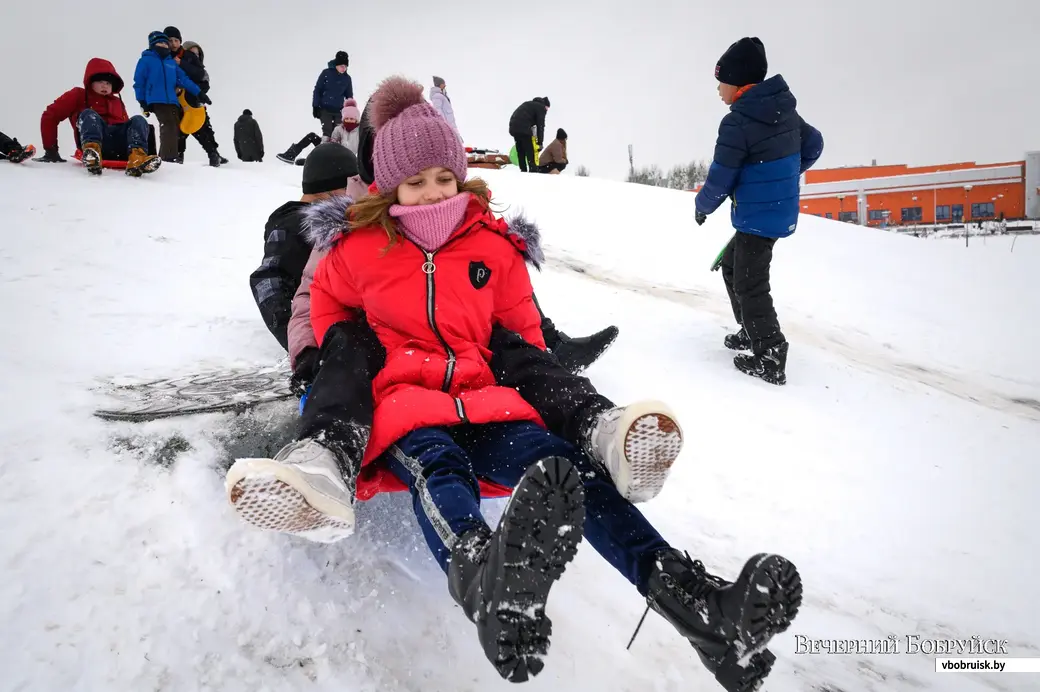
x=325 y=221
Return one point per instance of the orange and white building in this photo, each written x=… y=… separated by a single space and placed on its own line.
x=948 y=193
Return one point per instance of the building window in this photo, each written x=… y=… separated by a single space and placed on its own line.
x=982 y=210
x=849 y=216
x=942 y=213
x=830 y=215
x=878 y=214
x=958 y=212
x=911 y=213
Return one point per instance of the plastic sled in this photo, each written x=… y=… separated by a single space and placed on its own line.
x=109 y=163
x=515 y=160
x=193 y=118
x=28 y=152
x=105 y=163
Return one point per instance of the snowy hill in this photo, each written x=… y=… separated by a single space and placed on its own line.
x=897 y=469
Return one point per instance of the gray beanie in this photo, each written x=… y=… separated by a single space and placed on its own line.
x=329 y=167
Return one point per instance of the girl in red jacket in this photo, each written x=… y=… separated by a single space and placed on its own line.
x=431 y=270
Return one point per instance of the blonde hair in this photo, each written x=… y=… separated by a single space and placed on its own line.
x=374 y=210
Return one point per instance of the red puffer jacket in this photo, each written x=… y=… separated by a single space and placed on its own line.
x=69 y=105
x=433 y=312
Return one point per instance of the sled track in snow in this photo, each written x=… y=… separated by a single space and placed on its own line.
x=862 y=355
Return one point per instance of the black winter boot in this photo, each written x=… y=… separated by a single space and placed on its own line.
x=769 y=365
x=214 y=159
x=577 y=354
x=727 y=623
x=502 y=580
x=290 y=154
x=739 y=341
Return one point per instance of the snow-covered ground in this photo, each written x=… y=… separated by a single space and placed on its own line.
x=897 y=469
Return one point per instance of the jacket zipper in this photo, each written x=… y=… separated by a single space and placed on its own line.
x=429 y=268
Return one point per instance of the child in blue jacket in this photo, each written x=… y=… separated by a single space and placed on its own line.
x=763 y=148
x=156 y=80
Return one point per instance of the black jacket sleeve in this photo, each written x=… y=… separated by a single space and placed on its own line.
x=566 y=402
x=539 y=121
x=275 y=281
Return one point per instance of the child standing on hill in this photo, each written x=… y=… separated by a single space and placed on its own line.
x=155 y=84
x=763 y=148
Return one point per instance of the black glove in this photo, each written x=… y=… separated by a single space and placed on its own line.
x=317 y=113
x=203 y=98
x=306 y=370
x=144 y=107
x=50 y=156
x=700 y=217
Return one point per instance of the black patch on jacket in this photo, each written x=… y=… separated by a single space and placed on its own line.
x=479 y=274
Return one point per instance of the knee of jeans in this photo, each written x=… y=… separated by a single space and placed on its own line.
x=88 y=114
x=139 y=120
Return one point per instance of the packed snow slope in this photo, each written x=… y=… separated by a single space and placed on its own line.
x=897 y=468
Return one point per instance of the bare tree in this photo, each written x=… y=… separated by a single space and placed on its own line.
x=582 y=172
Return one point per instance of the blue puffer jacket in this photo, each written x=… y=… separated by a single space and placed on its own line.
x=763 y=148
x=156 y=79
x=332 y=89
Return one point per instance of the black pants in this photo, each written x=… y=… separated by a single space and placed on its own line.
x=7 y=145
x=204 y=136
x=745 y=270
x=169 y=116
x=550 y=167
x=525 y=152
x=329 y=120
x=309 y=139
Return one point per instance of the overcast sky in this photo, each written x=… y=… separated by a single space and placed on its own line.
x=900 y=81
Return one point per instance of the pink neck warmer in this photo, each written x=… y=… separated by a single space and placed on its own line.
x=430 y=225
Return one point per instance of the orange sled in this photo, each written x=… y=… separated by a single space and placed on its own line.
x=486 y=158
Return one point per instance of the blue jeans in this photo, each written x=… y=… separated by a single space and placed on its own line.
x=116 y=140
x=441 y=466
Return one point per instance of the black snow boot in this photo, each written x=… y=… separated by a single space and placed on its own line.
x=222 y=159
x=502 y=579
x=739 y=341
x=290 y=154
x=769 y=364
x=729 y=625
x=577 y=354
x=214 y=159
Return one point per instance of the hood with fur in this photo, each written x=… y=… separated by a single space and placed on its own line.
x=325 y=221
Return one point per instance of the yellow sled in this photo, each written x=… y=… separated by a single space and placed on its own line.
x=193 y=118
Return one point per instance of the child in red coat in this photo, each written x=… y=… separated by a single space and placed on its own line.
x=432 y=271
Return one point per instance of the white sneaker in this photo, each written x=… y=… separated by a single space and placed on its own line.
x=301 y=491
x=637 y=444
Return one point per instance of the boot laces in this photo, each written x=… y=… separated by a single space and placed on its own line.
x=692 y=584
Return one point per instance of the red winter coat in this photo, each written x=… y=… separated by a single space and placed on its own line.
x=69 y=105
x=433 y=313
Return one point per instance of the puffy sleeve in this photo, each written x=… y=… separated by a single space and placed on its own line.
x=334 y=297
x=515 y=308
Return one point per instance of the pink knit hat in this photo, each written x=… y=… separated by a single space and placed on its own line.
x=411 y=135
x=350 y=110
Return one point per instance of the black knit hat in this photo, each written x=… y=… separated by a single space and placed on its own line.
x=544 y=100
x=743 y=63
x=342 y=59
x=561 y=133
x=329 y=167
x=366 y=144
x=172 y=32
x=247 y=112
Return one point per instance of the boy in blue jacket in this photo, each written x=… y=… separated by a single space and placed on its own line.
x=333 y=87
x=763 y=148
x=156 y=80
